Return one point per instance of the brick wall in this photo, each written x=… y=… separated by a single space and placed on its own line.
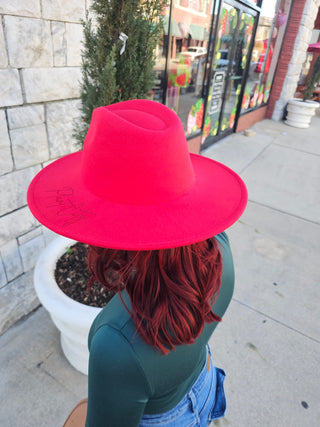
x=40 y=42
x=293 y=54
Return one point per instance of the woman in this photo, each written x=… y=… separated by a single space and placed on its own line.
x=149 y=211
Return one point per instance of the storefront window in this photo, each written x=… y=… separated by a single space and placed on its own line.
x=215 y=61
x=187 y=57
x=305 y=69
x=232 y=50
x=160 y=61
x=268 y=41
x=254 y=2
x=238 y=67
x=303 y=78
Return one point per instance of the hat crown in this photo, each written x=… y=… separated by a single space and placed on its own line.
x=135 y=152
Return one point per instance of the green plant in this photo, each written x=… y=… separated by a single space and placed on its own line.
x=314 y=78
x=108 y=74
x=69 y=250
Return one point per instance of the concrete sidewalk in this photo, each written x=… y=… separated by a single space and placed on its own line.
x=269 y=340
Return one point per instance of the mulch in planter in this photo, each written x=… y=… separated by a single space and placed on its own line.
x=72 y=276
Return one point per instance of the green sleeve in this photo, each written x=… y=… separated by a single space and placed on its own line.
x=118 y=389
x=227 y=281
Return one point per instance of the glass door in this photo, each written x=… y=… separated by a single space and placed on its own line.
x=232 y=50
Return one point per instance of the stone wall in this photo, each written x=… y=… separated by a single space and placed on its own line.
x=298 y=57
x=40 y=45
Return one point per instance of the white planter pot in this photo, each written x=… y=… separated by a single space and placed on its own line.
x=72 y=318
x=300 y=112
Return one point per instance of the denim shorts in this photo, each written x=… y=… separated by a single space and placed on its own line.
x=203 y=403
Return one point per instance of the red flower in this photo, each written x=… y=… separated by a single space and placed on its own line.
x=181 y=79
x=199 y=115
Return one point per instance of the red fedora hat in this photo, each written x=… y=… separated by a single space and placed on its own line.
x=135 y=185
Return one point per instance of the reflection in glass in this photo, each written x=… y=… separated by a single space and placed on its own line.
x=237 y=69
x=234 y=38
x=268 y=41
x=187 y=58
x=160 y=61
x=223 y=55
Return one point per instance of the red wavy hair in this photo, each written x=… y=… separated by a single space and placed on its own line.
x=171 y=290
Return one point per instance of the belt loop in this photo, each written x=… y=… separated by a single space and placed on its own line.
x=193 y=401
x=209 y=350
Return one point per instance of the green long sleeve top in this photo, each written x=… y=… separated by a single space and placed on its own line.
x=127 y=377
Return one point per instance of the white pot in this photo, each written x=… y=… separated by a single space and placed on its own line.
x=300 y=112
x=72 y=318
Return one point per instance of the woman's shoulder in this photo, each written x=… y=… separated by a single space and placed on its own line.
x=114 y=315
x=223 y=239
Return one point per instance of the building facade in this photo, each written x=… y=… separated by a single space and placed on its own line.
x=221 y=63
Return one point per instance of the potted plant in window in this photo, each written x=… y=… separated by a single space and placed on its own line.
x=117 y=65
x=300 y=111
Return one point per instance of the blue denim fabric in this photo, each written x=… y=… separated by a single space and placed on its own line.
x=203 y=403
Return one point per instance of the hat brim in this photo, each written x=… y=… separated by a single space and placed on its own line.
x=58 y=198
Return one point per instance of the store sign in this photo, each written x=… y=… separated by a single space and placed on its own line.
x=216 y=92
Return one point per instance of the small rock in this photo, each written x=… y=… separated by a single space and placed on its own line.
x=249 y=132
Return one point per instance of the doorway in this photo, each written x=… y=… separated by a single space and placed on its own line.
x=228 y=60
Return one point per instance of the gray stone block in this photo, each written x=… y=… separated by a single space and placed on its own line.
x=17 y=299
x=48 y=235
x=11 y=260
x=10 y=88
x=60 y=123
x=3 y=278
x=20 y=7
x=6 y=163
x=29 y=236
x=29 y=42
x=59 y=41
x=15 y=224
x=3 y=49
x=74 y=44
x=72 y=10
x=50 y=84
x=30 y=115
x=13 y=189
x=30 y=252
x=29 y=145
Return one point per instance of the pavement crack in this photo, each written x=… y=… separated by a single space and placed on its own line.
x=276 y=321
x=255 y=158
x=296 y=149
x=284 y=212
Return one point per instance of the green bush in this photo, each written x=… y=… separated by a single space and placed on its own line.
x=108 y=76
